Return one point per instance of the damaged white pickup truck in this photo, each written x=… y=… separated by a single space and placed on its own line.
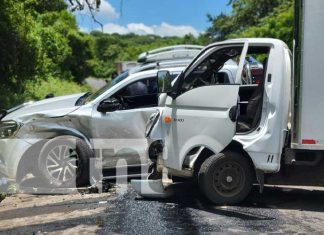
x=57 y=139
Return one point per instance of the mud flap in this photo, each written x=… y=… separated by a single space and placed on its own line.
x=260 y=179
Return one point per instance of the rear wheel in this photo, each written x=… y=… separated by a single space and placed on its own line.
x=226 y=178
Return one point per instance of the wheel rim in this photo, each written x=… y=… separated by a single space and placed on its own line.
x=62 y=163
x=228 y=179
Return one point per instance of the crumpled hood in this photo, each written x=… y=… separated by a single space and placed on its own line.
x=53 y=107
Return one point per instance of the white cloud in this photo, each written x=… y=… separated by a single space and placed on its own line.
x=140 y=28
x=114 y=28
x=175 y=30
x=107 y=10
x=164 y=29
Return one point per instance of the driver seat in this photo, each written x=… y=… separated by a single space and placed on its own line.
x=253 y=111
x=254 y=108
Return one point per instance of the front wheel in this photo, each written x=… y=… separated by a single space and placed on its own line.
x=64 y=162
x=226 y=178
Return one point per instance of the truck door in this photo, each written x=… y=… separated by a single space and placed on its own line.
x=202 y=112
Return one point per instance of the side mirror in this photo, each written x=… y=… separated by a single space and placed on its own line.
x=164 y=81
x=109 y=105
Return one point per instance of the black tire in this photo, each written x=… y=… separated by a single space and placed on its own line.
x=77 y=156
x=226 y=179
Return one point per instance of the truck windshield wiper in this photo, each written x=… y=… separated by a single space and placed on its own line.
x=81 y=100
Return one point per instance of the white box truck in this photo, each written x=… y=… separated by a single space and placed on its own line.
x=228 y=137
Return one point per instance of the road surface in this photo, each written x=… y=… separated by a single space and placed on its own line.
x=280 y=210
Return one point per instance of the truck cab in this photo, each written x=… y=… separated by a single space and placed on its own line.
x=226 y=132
x=270 y=130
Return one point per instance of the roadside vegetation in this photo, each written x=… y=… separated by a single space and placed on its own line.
x=43 y=51
x=2 y=197
x=254 y=18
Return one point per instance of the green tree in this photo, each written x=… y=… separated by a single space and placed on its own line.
x=80 y=61
x=21 y=54
x=113 y=48
x=39 y=40
x=278 y=24
x=254 y=18
x=42 y=48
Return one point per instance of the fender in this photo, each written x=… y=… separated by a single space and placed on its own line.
x=194 y=142
x=38 y=130
x=39 y=135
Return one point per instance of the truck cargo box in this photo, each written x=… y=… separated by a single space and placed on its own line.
x=308 y=96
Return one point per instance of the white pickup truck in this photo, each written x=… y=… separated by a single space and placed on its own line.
x=229 y=137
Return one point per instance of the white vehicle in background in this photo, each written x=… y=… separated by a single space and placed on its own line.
x=228 y=137
x=178 y=52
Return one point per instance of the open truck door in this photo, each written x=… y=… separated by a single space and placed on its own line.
x=201 y=112
x=192 y=120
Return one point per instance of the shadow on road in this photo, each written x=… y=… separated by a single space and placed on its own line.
x=286 y=198
x=188 y=195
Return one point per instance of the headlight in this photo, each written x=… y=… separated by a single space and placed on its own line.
x=8 y=129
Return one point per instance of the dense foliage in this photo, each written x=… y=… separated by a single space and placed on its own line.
x=43 y=51
x=39 y=41
x=110 y=49
x=254 y=18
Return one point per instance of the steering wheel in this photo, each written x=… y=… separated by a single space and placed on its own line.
x=199 y=81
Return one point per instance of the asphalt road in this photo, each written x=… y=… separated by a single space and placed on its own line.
x=279 y=210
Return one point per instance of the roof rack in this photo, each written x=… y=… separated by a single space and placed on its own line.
x=160 y=65
x=170 y=53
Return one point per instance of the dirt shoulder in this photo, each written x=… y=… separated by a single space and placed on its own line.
x=68 y=214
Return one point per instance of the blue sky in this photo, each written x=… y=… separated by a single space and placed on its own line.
x=160 y=17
